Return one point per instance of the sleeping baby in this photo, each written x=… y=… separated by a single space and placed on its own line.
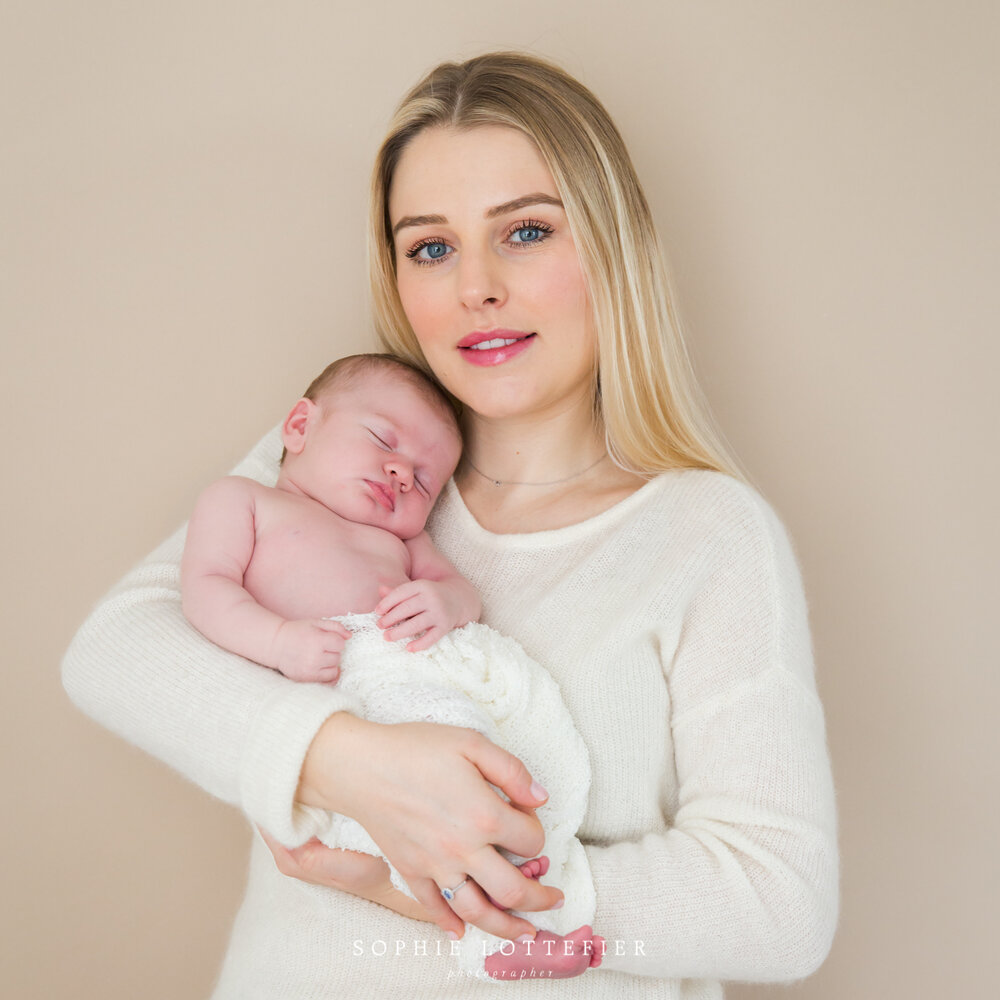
x=312 y=576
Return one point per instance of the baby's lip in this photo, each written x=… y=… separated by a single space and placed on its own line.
x=383 y=494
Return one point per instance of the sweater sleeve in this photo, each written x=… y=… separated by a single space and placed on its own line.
x=743 y=883
x=237 y=729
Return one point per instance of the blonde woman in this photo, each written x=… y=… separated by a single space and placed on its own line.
x=606 y=529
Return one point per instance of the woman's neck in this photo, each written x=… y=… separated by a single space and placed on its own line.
x=521 y=475
x=521 y=451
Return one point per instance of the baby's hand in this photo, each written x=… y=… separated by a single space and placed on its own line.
x=548 y=956
x=431 y=607
x=309 y=650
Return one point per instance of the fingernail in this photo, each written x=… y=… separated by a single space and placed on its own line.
x=453 y=935
x=558 y=905
x=538 y=792
x=524 y=939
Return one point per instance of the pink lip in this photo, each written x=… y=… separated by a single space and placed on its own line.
x=488 y=357
x=382 y=494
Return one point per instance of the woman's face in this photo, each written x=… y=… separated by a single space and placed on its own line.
x=488 y=273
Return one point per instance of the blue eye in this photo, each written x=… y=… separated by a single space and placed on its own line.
x=527 y=232
x=428 y=252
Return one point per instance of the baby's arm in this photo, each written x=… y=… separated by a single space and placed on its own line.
x=436 y=600
x=220 y=542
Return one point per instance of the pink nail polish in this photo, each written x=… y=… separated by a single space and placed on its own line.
x=538 y=792
x=558 y=905
x=452 y=935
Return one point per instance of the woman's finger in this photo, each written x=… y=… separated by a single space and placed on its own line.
x=507 y=887
x=438 y=911
x=504 y=770
x=471 y=904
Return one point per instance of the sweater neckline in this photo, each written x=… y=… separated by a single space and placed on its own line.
x=549 y=536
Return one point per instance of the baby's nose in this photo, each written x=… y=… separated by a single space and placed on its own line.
x=401 y=470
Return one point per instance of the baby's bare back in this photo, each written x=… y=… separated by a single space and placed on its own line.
x=308 y=562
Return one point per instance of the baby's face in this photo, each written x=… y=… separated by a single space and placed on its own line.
x=378 y=452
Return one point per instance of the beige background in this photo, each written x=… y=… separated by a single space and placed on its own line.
x=182 y=230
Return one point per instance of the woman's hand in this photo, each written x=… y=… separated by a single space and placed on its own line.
x=422 y=791
x=360 y=874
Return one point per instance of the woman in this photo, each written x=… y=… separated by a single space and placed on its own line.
x=514 y=256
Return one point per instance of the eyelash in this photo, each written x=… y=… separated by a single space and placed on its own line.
x=414 y=252
x=545 y=230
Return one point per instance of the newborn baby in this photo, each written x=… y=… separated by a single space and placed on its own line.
x=288 y=576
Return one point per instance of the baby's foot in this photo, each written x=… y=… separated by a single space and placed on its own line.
x=549 y=956
x=535 y=868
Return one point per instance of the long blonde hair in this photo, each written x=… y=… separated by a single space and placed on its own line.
x=654 y=415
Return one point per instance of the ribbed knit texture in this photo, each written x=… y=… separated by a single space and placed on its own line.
x=675 y=626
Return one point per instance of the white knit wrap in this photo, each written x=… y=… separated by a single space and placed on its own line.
x=479 y=679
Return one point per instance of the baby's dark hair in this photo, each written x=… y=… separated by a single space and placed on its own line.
x=343 y=371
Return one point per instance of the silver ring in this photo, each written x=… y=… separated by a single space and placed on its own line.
x=449 y=894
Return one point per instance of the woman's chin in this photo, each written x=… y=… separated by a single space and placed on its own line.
x=497 y=405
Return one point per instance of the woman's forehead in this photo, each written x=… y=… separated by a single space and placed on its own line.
x=445 y=170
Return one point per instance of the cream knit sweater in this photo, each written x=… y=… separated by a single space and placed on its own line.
x=675 y=626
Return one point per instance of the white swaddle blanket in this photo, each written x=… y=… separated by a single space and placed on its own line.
x=476 y=678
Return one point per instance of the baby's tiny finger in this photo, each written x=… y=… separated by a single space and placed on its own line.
x=402 y=631
x=337 y=628
x=404 y=592
x=410 y=628
x=402 y=614
x=392 y=617
x=427 y=640
x=396 y=614
x=388 y=599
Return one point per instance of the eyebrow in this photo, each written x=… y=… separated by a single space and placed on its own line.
x=537 y=198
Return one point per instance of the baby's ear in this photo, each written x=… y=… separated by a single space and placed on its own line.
x=296 y=425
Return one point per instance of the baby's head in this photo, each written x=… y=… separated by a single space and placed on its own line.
x=374 y=439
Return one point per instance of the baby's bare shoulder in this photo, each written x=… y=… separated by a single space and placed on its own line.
x=236 y=492
x=233 y=489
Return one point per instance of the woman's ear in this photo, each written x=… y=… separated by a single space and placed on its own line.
x=296 y=425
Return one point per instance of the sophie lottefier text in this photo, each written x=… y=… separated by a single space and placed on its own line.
x=427 y=948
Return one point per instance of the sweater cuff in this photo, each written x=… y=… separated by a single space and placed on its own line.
x=276 y=747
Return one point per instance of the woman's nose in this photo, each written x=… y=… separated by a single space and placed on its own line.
x=480 y=281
